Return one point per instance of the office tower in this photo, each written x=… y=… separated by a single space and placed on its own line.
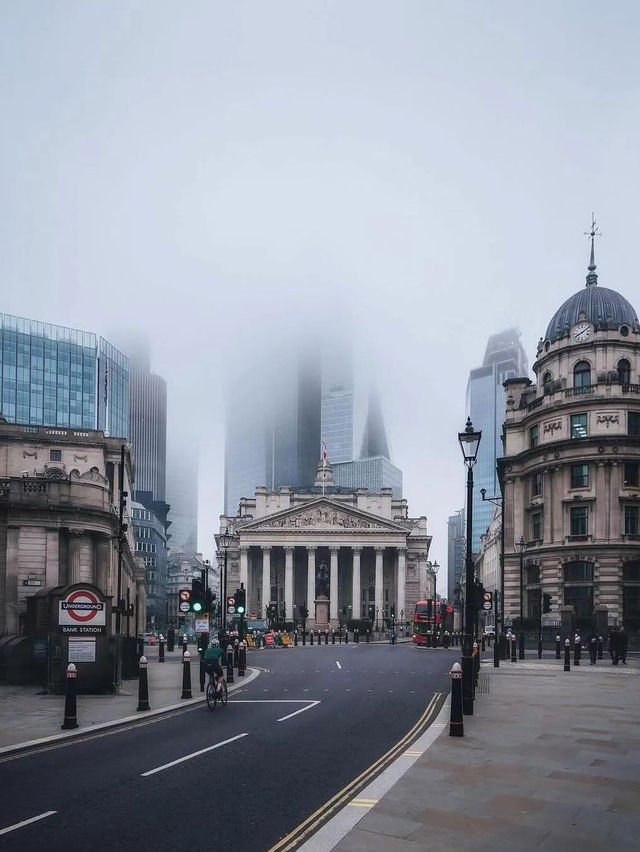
x=182 y=496
x=455 y=552
x=504 y=358
x=58 y=376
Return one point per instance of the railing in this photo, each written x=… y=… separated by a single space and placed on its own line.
x=535 y=404
x=631 y=389
x=585 y=390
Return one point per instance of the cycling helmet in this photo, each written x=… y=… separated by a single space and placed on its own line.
x=214 y=643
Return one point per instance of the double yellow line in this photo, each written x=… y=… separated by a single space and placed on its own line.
x=313 y=822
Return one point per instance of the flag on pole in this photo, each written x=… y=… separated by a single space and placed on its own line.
x=324 y=463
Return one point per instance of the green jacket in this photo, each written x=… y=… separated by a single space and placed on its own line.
x=216 y=653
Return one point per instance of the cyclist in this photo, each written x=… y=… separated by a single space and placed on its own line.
x=214 y=659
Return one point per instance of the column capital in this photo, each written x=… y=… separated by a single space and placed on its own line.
x=402 y=549
x=288 y=549
x=334 y=548
x=311 y=548
x=265 y=547
x=380 y=548
x=357 y=549
x=244 y=547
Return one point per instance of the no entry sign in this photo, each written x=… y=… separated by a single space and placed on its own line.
x=82 y=612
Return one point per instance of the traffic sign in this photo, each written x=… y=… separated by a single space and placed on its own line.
x=231 y=605
x=486 y=605
x=185 y=606
x=202 y=625
x=487 y=601
x=82 y=612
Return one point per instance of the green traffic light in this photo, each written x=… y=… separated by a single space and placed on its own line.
x=240 y=609
x=197 y=607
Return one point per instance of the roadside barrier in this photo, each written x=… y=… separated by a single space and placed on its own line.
x=143 y=685
x=286 y=640
x=70 y=711
x=186 y=675
x=557 y=647
x=230 y=678
x=456 y=723
x=567 y=655
x=242 y=659
x=250 y=642
x=326 y=637
x=333 y=637
x=161 y=650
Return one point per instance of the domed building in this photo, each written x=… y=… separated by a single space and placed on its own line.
x=571 y=468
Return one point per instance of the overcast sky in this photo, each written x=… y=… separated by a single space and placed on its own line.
x=217 y=174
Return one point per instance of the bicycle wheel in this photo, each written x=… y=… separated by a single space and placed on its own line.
x=223 y=694
x=211 y=696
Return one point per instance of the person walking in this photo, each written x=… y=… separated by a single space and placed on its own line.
x=592 y=644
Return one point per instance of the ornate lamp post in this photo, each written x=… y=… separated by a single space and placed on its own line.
x=469 y=441
x=225 y=541
x=521 y=546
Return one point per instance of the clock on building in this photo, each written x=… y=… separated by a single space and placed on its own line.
x=582 y=332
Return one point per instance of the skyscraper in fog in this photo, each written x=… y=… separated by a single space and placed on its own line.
x=504 y=358
x=455 y=552
x=182 y=496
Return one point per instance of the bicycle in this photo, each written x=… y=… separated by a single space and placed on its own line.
x=216 y=693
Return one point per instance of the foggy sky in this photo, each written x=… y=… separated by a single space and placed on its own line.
x=221 y=174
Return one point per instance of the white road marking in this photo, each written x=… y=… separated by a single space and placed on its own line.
x=295 y=713
x=26 y=822
x=193 y=754
x=338 y=664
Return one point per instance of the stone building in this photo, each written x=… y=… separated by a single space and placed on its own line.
x=59 y=504
x=487 y=562
x=571 y=468
x=358 y=552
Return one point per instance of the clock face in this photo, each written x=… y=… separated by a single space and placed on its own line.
x=582 y=332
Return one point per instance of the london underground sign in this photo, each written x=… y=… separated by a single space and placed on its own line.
x=82 y=613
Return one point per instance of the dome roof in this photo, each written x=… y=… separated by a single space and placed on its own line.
x=604 y=308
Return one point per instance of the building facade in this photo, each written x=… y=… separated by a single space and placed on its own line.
x=182 y=567
x=356 y=554
x=504 y=358
x=487 y=562
x=61 y=377
x=151 y=549
x=571 y=470
x=374 y=474
x=182 y=497
x=59 y=505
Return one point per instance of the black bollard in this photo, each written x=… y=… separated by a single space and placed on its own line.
x=483 y=643
x=70 y=712
x=236 y=646
x=356 y=635
x=540 y=647
x=295 y=639
x=184 y=643
x=521 y=646
x=567 y=655
x=333 y=637
x=242 y=659
x=600 y=647
x=202 y=673
x=171 y=639
x=496 y=653
x=340 y=637
x=557 y=647
x=326 y=637
x=576 y=651
x=311 y=637
x=304 y=637
x=368 y=636
x=230 y=664
x=143 y=685
x=346 y=636
x=186 y=675
x=161 y=650
x=476 y=662
x=456 y=724
x=513 y=649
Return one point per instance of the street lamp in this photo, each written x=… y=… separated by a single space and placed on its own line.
x=225 y=541
x=521 y=546
x=469 y=441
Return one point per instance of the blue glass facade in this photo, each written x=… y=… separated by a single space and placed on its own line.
x=374 y=474
x=51 y=377
x=337 y=422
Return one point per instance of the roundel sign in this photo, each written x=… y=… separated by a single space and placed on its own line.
x=82 y=612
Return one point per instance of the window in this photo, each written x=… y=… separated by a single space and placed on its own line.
x=546 y=378
x=536 y=484
x=533 y=575
x=579 y=426
x=634 y=423
x=55 y=455
x=534 y=436
x=631 y=572
x=536 y=526
x=578 y=572
x=579 y=520
x=581 y=599
x=579 y=475
x=582 y=374
x=631 y=475
x=631 y=520
x=624 y=371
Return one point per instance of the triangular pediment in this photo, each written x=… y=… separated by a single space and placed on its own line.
x=324 y=514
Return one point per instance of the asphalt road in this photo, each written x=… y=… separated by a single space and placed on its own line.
x=266 y=776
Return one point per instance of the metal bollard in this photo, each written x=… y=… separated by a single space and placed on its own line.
x=476 y=662
x=356 y=635
x=333 y=637
x=304 y=637
x=600 y=647
x=456 y=724
x=340 y=637
x=236 y=647
x=539 y=647
x=184 y=643
x=368 y=636
x=143 y=685
x=513 y=649
x=242 y=659
x=576 y=650
x=557 y=647
x=311 y=637
x=161 y=649
x=70 y=711
x=496 y=653
x=346 y=636
x=483 y=643
x=295 y=639
x=230 y=664
x=521 y=646
x=186 y=675
x=567 y=655
x=326 y=637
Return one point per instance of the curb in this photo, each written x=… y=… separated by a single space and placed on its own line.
x=60 y=739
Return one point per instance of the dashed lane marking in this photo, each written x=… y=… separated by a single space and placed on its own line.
x=338 y=664
x=192 y=755
x=26 y=822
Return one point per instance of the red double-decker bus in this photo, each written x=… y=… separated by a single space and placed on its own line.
x=423 y=621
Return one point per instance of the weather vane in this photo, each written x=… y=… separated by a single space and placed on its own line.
x=594 y=232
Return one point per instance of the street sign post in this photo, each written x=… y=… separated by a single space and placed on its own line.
x=487 y=601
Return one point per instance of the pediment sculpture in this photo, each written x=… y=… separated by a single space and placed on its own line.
x=322 y=516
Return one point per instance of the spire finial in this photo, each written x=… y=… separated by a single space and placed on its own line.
x=592 y=278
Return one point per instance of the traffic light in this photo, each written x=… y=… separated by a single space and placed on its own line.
x=239 y=601
x=546 y=602
x=479 y=594
x=197 y=596
x=304 y=612
x=209 y=598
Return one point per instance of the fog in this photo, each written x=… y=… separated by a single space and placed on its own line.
x=226 y=177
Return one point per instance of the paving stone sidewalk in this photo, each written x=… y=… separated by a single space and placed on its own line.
x=27 y=714
x=550 y=760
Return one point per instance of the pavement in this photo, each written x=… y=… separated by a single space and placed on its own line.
x=549 y=760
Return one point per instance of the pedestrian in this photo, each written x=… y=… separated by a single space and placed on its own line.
x=614 y=646
x=592 y=645
x=624 y=646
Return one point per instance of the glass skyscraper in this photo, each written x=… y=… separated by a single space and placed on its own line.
x=504 y=358
x=58 y=376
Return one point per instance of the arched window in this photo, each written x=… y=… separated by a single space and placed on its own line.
x=546 y=379
x=624 y=371
x=582 y=374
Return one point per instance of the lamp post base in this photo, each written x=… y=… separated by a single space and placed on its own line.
x=467 y=685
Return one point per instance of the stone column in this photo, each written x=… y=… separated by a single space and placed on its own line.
x=601 y=514
x=244 y=568
x=288 y=583
x=379 y=583
x=311 y=582
x=103 y=564
x=266 y=580
x=356 y=603
x=333 y=584
x=74 y=556
x=402 y=574
x=11 y=582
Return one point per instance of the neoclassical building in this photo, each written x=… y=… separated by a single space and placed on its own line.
x=59 y=503
x=359 y=549
x=571 y=469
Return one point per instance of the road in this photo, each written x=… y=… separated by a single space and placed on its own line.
x=253 y=770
